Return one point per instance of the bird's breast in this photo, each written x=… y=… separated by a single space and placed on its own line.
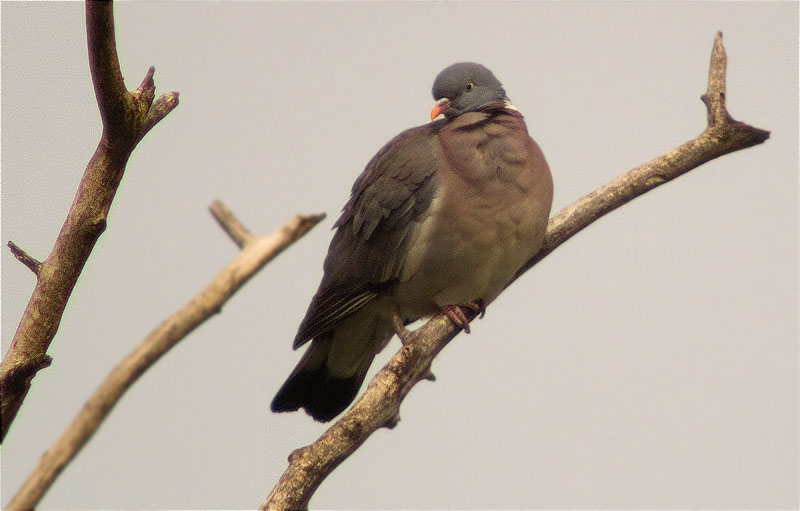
x=487 y=219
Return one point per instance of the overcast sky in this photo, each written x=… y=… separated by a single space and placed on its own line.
x=650 y=362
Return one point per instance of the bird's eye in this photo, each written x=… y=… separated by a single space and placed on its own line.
x=470 y=86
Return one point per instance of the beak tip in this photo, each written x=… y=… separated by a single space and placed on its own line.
x=441 y=105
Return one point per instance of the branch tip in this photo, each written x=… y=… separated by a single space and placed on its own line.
x=159 y=109
x=313 y=219
x=298 y=226
x=230 y=224
x=23 y=257
x=147 y=82
x=169 y=100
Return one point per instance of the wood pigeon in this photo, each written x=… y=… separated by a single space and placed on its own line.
x=441 y=217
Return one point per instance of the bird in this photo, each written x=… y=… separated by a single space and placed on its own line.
x=441 y=218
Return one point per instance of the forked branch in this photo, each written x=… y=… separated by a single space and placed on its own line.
x=380 y=404
x=255 y=254
x=127 y=117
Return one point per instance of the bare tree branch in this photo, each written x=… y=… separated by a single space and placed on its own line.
x=25 y=258
x=254 y=255
x=380 y=404
x=127 y=117
x=230 y=224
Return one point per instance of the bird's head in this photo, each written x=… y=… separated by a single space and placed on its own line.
x=465 y=87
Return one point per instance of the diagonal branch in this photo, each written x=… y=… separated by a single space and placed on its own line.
x=380 y=404
x=254 y=255
x=230 y=224
x=127 y=116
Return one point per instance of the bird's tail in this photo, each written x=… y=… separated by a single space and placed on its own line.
x=327 y=378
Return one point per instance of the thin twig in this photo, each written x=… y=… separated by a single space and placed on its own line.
x=24 y=258
x=230 y=224
x=126 y=118
x=380 y=404
x=255 y=255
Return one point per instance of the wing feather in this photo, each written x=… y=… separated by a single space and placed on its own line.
x=388 y=201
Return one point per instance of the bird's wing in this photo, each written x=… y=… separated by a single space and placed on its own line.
x=388 y=200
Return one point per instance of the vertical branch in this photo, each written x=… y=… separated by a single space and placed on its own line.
x=714 y=98
x=113 y=98
x=127 y=117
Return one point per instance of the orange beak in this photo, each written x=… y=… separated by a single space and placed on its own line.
x=441 y=105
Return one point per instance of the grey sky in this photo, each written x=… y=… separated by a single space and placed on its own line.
x=649 y=362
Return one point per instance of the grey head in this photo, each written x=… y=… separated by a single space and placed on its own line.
x=465 y=87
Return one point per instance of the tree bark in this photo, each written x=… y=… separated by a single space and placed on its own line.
x=127 y=117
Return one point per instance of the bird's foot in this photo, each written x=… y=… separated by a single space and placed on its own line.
x=478 y=306
x=457 y=316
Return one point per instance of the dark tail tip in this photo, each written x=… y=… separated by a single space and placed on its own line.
x=322 y=397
